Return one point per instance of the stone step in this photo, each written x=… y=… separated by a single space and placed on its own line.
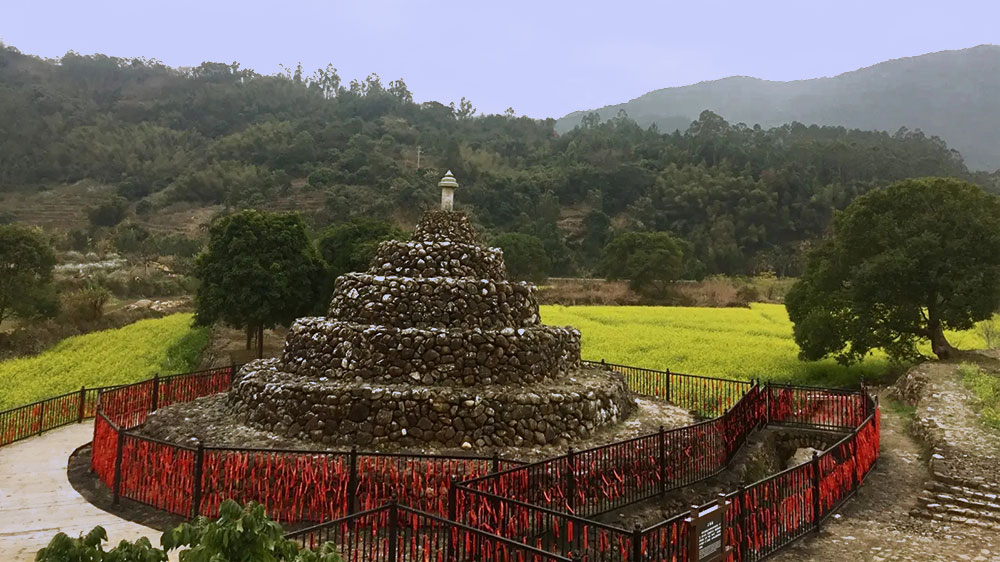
x=956 y=509
x=986 y=499
x=949 y=518
x=980 y=484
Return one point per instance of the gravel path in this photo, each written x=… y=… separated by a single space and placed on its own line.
x=876 y=525
x=37 y=501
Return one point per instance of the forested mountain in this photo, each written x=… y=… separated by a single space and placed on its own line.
x=221 y=137
x=951 y=94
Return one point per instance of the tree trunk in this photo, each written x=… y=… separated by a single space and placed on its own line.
x=939 y=344
x=250 y=332
x=260 y=341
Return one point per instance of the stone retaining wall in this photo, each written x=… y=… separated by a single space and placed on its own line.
x=339 y=413
x=318 y=347
x=433 y=302
x=438 y=259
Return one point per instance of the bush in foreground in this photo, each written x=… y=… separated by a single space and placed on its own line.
x=239 y=534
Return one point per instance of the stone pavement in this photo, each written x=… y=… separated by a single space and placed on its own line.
x=37 y=500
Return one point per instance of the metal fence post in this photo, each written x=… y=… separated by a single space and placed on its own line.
x=571 y=478
x=393 y=529
x=663 y=460
x=199 y=468
x=83 y=400
x=156 y=391
x=452 y=515
x=816 y=482
x=744 y=532
x=767 y=402
x=452 y=497
x=41 y=418
x=496 y=462
x=117 y=487
x=668 y=385
x=352 y=482
x=636 y=543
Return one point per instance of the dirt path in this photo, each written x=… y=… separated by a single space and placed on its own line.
x=37 y=500
x=876 y=525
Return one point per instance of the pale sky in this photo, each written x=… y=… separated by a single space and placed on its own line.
x=542 y=58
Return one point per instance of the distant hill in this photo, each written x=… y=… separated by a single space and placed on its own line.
x=952 y=94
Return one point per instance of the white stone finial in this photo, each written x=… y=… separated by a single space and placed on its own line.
x=448 y=184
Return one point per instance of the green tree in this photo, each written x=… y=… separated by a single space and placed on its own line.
x=109 y=213
x=259 y=270
x=597 y=226
x=649 y=260
x=903 y=264
x=525 y=256
x=351 y=246
x=26 y=262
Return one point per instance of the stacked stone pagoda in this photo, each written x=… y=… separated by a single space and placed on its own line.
x=432 y=345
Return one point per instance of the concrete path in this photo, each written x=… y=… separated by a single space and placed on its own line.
x=37 y=500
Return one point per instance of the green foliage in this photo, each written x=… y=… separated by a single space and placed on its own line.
x=86 y=304
x=351 y=246
x=227 y=181
x=748 y=199
x=648 y=260
x=136 y=241
x=89 y=548
x=240 y=534
x=260 y=270
x=986 y=387
x=903 y=264
x=26 y=262
x=989 y=330
x=525 y=257
x=135 y=352
x=108 y=213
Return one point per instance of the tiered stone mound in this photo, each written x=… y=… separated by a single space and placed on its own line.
x=431 y=345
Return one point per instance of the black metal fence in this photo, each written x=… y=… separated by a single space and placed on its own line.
x=397 y=533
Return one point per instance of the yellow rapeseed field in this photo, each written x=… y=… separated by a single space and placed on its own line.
x=135 y=352
x=741 y=343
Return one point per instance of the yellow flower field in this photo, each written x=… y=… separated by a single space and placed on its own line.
x=742 y=343
x=135 y=352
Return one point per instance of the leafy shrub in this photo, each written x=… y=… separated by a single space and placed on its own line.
x=88 y=548
x=239 y=534
x=525 y=256
x=989 y=330
x=324 y=177
x=86 y=304
x=109 y=213
x=648 y=260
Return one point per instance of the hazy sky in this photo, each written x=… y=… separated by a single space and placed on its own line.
x=542 y=58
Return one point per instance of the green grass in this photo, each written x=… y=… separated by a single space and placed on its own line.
x=986 y=387
x=135 y=352
x=741 y=343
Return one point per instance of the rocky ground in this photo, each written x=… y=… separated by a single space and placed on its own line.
x=926 y=501
x=210 y=420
